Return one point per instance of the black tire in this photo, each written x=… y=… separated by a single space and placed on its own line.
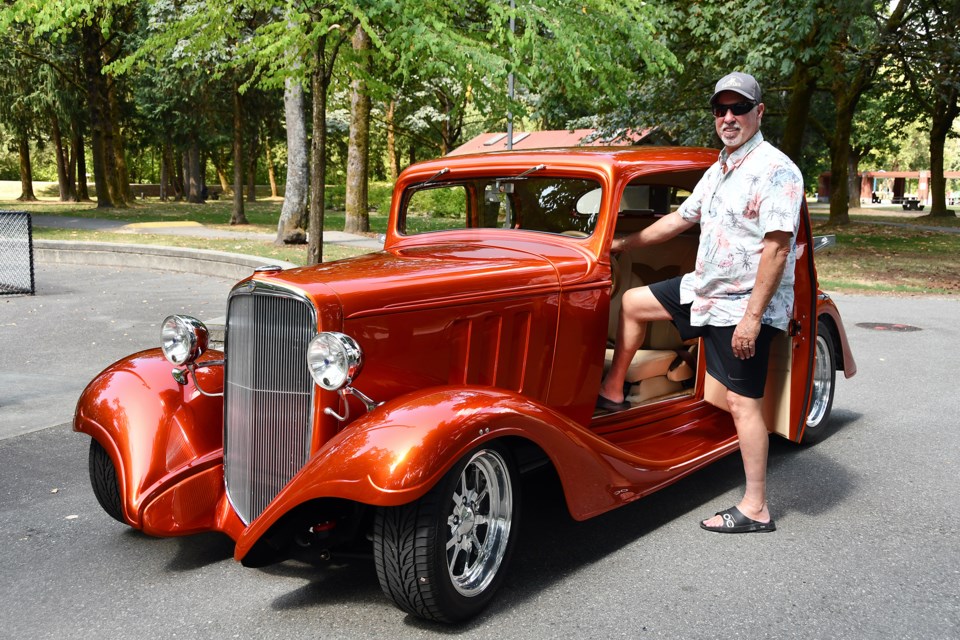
x=422 y=562
x=824 y=378
x=103 y=478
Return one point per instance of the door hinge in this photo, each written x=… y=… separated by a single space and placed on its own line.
x=794 y=328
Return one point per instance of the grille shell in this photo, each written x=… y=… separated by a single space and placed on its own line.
x=268 y=394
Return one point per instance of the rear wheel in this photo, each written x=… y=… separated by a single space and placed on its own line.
x=824 y=377
x=103 y=478
x=444 y=556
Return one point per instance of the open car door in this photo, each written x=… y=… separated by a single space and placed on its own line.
x=789 y=382
x=786 y=397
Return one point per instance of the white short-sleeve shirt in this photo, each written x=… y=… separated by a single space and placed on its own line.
x=743 y=196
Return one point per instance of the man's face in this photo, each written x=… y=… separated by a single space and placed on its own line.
x=734 y=130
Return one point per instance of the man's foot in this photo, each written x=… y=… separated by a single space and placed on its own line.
x=733 y=520
x=610 y=406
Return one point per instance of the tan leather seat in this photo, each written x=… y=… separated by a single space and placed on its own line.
x=656 y=370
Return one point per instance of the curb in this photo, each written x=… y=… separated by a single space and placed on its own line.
x=233 y=266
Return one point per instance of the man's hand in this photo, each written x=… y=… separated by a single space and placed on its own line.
x=619 y=245
x=744 y=341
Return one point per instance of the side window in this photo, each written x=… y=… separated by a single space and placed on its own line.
x=648 y=199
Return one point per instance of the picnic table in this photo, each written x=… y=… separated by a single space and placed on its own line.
x=912 y=204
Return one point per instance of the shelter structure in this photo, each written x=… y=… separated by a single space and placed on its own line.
x=894 y=187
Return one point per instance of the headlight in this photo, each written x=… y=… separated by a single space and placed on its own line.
x=183 y=339
x=334 y=359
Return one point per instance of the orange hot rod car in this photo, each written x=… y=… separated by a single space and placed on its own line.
x=389 y=401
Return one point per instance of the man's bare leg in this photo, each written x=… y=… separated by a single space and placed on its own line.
x=754 y=444
x=638 y=307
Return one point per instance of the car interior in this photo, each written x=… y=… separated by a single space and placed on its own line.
x=665 y=366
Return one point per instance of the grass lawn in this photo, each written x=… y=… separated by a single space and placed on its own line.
x=869 y=257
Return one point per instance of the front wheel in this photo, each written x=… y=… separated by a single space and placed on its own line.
x=444 y=556
x=824 y=377
x=103 y=479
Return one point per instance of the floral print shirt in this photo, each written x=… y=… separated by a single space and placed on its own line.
x=743 y=196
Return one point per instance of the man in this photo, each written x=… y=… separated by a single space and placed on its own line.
x=740 y=294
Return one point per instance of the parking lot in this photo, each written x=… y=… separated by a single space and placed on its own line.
x=868 y=539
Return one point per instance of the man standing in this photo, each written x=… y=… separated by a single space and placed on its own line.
x=740 y=294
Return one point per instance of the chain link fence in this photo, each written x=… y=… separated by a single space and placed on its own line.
x=16 y=253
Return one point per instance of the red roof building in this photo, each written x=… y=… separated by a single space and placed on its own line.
x=497 y=141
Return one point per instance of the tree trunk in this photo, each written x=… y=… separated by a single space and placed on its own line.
x=26 y=171
x=853 y=179
x=444 y=122
x=96 y=102
x=291 y=229
x=63 y=161
x=179 y=193
x=839 y=162
x=164 y=171
x=119 y=150
x=358 y=155
x=252 y=169
x=318 y=159
x=71 y=152
x=393 y=157
x=194 y=182
x=237 y=216
x=218 y=163
x=79 y=156
x=110 y=152
x=271 y=173
x=803 y=86
x=939 y=129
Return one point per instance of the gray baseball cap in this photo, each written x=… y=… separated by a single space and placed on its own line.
x=742 y=83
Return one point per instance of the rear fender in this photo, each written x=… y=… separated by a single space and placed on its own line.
x=159 y=434
x=399 y=451
x=826 y=307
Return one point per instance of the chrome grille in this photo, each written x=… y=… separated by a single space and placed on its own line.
x=268 y=395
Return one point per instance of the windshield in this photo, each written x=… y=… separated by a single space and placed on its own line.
x=567 y=206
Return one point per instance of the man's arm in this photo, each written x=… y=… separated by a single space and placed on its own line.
x=662 y=230
x=773 y=260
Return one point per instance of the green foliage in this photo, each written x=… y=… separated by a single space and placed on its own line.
x=618 y=64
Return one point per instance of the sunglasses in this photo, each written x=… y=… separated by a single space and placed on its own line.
x=738 y=108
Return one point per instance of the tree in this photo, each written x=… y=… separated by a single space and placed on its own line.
x=850 y=70
x=21 y=111
x=929 y=58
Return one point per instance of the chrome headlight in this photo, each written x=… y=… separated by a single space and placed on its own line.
x=334 y=359
x=183 y=339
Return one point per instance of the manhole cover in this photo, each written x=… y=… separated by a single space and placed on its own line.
x=887 y=326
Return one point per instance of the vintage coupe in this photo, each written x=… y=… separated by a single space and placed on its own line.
x=388 y=402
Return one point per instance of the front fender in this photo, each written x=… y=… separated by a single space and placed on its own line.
x=158 y=434
x=398 y=452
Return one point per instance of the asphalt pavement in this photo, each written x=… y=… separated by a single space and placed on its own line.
x=867 y=546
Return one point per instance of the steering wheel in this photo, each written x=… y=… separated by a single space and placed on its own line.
x=574 y=233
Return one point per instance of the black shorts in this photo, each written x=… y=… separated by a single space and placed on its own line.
x=744 y=377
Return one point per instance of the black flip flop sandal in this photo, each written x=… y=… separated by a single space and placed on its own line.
x=735 y=522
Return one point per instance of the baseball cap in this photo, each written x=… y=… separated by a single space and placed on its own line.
x=742 y=83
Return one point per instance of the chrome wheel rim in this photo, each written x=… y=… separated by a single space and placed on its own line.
x=479 y=523
x=822 y=383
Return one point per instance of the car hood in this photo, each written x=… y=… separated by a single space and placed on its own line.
x=412 y=277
